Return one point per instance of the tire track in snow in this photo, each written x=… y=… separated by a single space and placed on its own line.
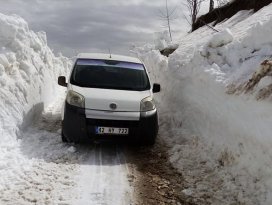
x=102 y=179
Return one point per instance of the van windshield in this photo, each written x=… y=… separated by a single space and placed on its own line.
x=109 y=74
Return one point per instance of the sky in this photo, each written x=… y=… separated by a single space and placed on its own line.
x=96 y=26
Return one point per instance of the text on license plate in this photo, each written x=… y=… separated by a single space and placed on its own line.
x=112 y=130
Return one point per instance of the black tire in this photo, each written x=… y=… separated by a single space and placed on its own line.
x=63 y=138
x=149 y=141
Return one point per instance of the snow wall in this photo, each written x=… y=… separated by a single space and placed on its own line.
x=28 y=83
x=219 y=135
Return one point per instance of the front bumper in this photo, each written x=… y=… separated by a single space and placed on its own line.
x=77 y=128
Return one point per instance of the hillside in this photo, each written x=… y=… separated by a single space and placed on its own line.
x=228 y=10
x=216 y=109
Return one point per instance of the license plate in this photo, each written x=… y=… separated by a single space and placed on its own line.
x=112 y=130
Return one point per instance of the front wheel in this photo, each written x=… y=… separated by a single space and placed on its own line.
x=63 y=138
x=149 y=140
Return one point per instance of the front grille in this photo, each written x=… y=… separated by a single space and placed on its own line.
x=112 y=123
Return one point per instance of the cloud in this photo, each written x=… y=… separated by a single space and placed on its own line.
x=89 y=25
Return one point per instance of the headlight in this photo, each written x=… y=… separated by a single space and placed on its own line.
x=147 y=104
x=75 y=99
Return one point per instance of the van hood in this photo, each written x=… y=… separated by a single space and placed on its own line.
x=101 y=99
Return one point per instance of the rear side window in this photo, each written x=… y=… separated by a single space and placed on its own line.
x=109 y=74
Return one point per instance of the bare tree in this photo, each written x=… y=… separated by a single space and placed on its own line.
x=222 y=2
x=219 y=4
x=211 y=5
x=168 y=16
x=193 y=7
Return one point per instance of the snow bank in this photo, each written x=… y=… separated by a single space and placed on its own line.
x=220 y=136
x=221 y=39
x=162 y=41
x=28 y=80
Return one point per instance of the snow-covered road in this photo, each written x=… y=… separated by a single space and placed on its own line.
x=59 y=173
x=87 y=174
x=103 y=177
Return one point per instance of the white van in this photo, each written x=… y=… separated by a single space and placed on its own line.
x=109 y=97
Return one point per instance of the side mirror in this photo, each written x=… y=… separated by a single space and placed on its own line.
x=62 y=81
x=156 y=88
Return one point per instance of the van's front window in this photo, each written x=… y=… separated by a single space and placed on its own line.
x=110 y=74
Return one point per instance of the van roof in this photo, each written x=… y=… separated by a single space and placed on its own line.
x=103 y=56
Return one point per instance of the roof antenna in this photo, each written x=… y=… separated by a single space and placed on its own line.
x=110 y=52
